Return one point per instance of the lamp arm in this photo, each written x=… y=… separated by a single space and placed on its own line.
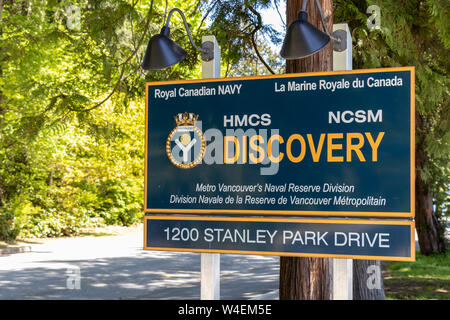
x=323 y=21
x=304 y=5
x=185 y=26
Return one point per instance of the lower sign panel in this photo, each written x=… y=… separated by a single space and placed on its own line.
x=354 y=239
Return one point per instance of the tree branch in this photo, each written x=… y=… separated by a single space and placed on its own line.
x=1 y=9
x=205 y=16
x=279 y=13
x=147 y=25
x=253 y=36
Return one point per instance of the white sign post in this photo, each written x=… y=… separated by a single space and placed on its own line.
x=210 y=262
x=343 y=268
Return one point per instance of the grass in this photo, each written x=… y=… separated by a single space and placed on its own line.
x=428 y=278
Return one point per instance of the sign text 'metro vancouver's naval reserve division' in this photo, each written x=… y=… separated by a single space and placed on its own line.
x=337 y=143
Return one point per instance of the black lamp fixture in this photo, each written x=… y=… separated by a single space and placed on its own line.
x=303 y=39
x=162 y=52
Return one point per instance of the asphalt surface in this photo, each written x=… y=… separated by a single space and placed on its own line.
x=116 y=267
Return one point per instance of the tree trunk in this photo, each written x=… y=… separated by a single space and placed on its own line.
x=367 y=280
x=305 y=278
x=308 y=278
x=429 y=231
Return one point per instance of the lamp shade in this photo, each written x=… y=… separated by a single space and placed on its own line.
x=162 y=52
x=302 y=39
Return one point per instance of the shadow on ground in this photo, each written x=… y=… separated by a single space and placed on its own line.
x=146 y=275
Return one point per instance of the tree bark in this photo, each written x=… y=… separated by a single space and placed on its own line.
x=367 y=280
x=429 y=231
x=305 y=278
x=308 y=278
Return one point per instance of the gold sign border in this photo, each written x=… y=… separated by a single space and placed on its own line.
x=411 y=212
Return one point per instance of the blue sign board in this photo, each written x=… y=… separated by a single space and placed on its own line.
x=356 y=239
x=334 y=144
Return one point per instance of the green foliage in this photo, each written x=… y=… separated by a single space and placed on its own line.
x=87 y=174
x=243 y=37
x=72 y=110
x=412 y=33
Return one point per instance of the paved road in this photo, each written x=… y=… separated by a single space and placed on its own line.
x=117 y=268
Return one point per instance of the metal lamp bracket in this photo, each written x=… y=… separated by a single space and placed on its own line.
x=207 y=51
x=339 y=40
x=207 y=48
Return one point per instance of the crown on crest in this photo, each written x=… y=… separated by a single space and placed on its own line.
x=185 y=119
